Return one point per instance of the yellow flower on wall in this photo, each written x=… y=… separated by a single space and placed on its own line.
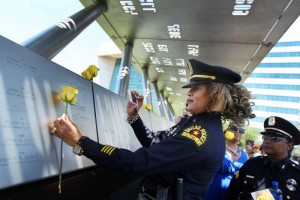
x=90 y=72
x=147 y=107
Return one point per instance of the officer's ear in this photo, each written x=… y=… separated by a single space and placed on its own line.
x=290 y=146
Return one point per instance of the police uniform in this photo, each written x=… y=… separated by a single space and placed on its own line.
x=258 y=173
x=192 y=150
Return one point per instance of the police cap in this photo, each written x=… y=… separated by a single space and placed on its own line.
x=202 y=73
x=278 y=126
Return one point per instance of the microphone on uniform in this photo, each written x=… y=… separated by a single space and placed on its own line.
x=179 y=189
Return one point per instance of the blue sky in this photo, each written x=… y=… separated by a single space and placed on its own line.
x=22 y=19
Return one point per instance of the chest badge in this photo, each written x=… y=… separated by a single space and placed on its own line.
x=291 y=184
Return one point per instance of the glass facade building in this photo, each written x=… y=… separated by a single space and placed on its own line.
x=135 y=83
x=275 y=84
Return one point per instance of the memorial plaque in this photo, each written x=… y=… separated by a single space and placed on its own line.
x=29 y=98
x=113 y=128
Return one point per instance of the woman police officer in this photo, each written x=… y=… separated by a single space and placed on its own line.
x=193 y=150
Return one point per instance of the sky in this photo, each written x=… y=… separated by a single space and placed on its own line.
x=22 y=19
x=293 y=33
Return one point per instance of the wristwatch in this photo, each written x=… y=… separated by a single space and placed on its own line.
x=78 y=149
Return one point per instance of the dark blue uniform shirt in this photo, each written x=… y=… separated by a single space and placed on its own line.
x=192 y=150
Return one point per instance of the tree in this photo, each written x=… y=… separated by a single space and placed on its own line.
x=251 y=133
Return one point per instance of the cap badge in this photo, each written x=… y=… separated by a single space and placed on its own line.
x=271 y=121
x=291 y=184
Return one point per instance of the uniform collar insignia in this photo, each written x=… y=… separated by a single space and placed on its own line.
x=249 y=176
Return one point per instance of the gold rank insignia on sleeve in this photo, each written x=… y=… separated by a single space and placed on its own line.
x=108 y=149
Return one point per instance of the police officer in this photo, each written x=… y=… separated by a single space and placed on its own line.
x=192 y=150
x=279 y=138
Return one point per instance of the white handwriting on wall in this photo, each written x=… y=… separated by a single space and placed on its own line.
x=145 y=5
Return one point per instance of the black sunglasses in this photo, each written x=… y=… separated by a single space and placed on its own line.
x=236 y=129
x=274 y=138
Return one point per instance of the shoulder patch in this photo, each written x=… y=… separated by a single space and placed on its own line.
x=194 y=133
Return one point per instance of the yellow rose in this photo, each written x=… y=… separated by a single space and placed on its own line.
x=93 y=70
x=147 y=106
x=229 y=135
x=69 y=94
x=86 y=74
x=90 y=72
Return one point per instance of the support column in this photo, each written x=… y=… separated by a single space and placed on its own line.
x=51 y=41
x=146 y=86
x=159 y=101
x=164 y=105
x=168 y=112
x=171 y=111
x=124 y=72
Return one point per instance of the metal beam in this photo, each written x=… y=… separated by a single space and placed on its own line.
x=124 y=72
x=51 y=41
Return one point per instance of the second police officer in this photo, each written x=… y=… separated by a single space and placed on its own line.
x=258 y=173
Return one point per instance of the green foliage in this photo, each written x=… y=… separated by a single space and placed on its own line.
x=251 y=134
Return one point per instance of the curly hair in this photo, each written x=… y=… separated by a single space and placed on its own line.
x=237 y=106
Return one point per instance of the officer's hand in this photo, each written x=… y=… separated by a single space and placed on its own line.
x=186 y=114
x=132 y=108
x=66 y=130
